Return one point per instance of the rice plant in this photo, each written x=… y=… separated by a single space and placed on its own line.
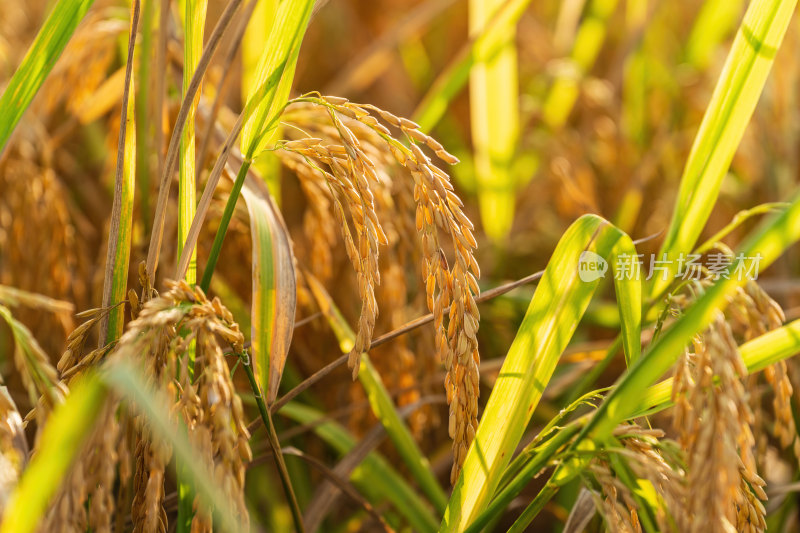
x=241 y=291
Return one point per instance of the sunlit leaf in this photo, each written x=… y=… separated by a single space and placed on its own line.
x=727 y=115
x=38 y=62
x=561 y=298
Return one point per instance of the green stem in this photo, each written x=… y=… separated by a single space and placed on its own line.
x=193 y=22
x=185 y=499
x=277 y=453
x=530 y=512
x=219 y=238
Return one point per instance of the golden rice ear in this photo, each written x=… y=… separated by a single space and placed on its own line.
x=616 y=504
x=358 y=145
x=752 y=312
x=210 y=407
x=644 y=453
x=714 y=420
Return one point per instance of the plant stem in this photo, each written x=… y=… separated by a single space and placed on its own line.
x=530 y=512
x=277 y=453
x=194 y=18
x=214 y=39
x=219 y=238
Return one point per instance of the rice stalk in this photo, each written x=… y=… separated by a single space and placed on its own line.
x=193 y=18
x=257 y=123
x=157 y=233
x=724 y=123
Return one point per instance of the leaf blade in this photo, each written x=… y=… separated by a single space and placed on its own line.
x=274 y=287
x=724 y=122
x=62 y=438
x=559 y=302
x=38 y=62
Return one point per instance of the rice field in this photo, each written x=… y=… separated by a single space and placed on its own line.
x=429 y=265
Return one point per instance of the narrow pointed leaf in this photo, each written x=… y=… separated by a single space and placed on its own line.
x=757 y=354
x=626 y=399
x=628 y=286
x=115 y=277
x=270 y=87
x=727 y=115
x=62 y=439
x=193 y=18
x=122 y=255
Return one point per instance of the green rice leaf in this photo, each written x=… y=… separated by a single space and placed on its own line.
x=270 y=89
x=122 y=255
x=561 y=298
x=62 y=439
x=38 y=62
x=193 y=16
x=626 y=399
x=727 y=115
